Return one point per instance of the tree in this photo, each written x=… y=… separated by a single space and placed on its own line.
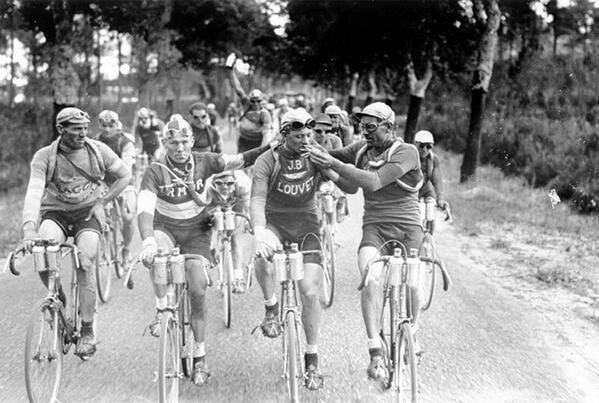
x=488 y=15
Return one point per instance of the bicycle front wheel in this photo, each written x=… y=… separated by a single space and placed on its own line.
x=227 y=266
x=405 y=366
x=328 y=266
x=103 y=267
x=291 y=352
x=117 y=242
x=168 y=360
x=186 y=336
x=427 y=273
x=43 y=354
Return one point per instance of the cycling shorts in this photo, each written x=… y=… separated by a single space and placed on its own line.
x=294 y=227
x=73 y=222
x=376 y=234
x=189 y=240
x=150 y=145
x=244 y=144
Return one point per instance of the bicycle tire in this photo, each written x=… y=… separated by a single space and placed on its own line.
x=117 y=242
x=168 y=360
x=249 y=268
x=427 y=282
x=186 y=336
x=406 y=366
x=292 y=356
x=43 y=314
x=329 y=264
x=103 y=269
x=227 y=267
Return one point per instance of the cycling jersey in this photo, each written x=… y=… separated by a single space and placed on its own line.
x=433 y=181
x=239 y=196
x=149 y=137
x=253 y=123
x=344 y=134
x=391 y=203
x=118 y=143
x=207 y=139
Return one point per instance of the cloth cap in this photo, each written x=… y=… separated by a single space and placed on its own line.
x=296 y=115
x=198 y=106
x=424 y=136
x=223 y=174
x=177 y=125
x=72 y=115
x=143 y=113
x=333 y=110
x=378 y=110
x=256 y=95
x=107 y=115
x=323 y=119
x=283 y=102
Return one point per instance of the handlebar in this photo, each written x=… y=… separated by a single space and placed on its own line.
x=247 y=219
x=365 y=276
x=22 y=251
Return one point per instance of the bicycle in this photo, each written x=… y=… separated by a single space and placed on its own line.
x=396 y=329
x=175 y=355
x=289 y=268
x=429 y=256
x=224 y=224
x=52 y=328
x=327 y=207
x=141 y=163
x=110 y=250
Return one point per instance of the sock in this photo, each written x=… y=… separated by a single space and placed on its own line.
x=199 y=349
x=374 y=343
x=161 y=303
x=272 y=301
x=310 y=359
x=311 y=348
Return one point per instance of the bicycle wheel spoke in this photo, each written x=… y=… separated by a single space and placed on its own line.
x=168 y=363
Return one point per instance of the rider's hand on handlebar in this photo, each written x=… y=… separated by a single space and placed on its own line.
x=266 y=241
x=98 y=211
x=442 y=204
x=150 y=248
x=28 y=238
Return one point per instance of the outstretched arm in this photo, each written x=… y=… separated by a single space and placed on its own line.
x=236 y=84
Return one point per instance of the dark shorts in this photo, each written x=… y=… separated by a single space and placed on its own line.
x=378 y=233
x=150 y=145
x=189 y=240
x=73 y=222
x=244 y=144
x=295 y=227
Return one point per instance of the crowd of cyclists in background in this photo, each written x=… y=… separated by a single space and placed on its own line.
x=294 y=148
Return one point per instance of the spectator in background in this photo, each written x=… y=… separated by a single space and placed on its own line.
x=278 y=114
x=341 y=130
x=205 y=135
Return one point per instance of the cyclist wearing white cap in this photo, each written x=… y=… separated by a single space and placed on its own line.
x=68 y=188
x=111 y=134
x=388 y=171
x=255 y=122
x=340 y=129
x=432 y=189
x=205 y=134
x=171 y=212
x=278 y=113
x=146 y=129
x=283 y=209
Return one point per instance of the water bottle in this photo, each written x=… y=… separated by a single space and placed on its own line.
x=39 y=258
x=53 y=260
x=413 y=267
x=279 y=261
x=296 y=262
x=394 y=264
x=430 y=211
x=219 y=222
x=229 y=219
x=177 y=266
x=160 y=261
x=328 y=203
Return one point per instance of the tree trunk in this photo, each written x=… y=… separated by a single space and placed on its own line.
x=554 y=41
x=417 y=90
x=412 y=118
x=99 y=68
x=481 y=78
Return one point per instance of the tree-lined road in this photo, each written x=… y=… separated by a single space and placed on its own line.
x=481 y=344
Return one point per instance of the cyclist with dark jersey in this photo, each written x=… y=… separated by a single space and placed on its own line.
x=172 y=212
x=205 y=134
x=388 y=171
x=146 y=129
x=283 y=209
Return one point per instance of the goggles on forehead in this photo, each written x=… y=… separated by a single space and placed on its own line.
x=185 y=132
x=297 y=125
x=320 y=131
x=426 y=145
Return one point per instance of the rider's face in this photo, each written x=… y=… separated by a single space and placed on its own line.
x=199 y=118
x=178 y=147
x=424 y=149
x=144 y=121
x=320 y=131
x=109 y=128
x=296 y=140
x=74 y=136
x=379 y=135
x=336 y=119
x=225 y=185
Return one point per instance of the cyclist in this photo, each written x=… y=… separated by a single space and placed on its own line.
x=278 y=114
x=70 y=181
x=171 y=211
x=255 y=122
x=339 y=128
x=147 y=132
x=111 y=134
x=283 y=208
x=206 y=136
x=388 y=171
x=232 y=189
x=432 y=189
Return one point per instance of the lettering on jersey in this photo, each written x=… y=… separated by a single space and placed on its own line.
x=295 y=189
x=177 y=190
x=294 y=165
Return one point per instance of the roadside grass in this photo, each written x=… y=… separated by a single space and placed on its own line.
x=555 y=246
x=11 y=209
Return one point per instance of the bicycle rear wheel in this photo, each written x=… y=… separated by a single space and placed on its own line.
x=43 y=353
x=227 y=268
x=291 y=356
x=406 y=367
x=168 y=360
x=388 y=332
x=328 y=265
x=104 y=267
x=117 y=241
x=186 y=336
x=427 y=272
